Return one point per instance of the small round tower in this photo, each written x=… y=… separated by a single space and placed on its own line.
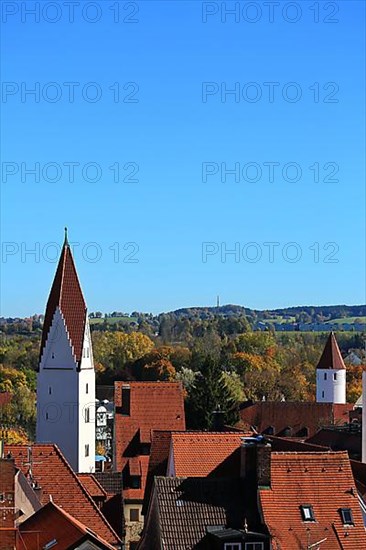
x=331 y=374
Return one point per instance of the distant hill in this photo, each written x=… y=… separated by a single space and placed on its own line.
x=296 y=314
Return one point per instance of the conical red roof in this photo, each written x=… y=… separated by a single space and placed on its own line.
x=331 y=357
x=66 y=294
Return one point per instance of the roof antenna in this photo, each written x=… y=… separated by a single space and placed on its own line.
x=66 y=242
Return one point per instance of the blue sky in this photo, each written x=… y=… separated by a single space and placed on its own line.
x=171 y=129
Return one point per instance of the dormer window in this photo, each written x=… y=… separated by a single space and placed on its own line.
x=135 y=482
x=307 y=512
x=346 y=515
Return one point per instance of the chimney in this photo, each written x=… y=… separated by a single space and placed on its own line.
x=126 y=399
x=255 y=460
x=218 y=420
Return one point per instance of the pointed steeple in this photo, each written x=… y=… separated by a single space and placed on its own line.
x=66 y=294
x=331 y=357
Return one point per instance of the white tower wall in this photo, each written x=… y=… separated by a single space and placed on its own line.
x=331 y=386
x=63 y=395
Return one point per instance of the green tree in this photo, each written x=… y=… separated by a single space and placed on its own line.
x=208 y=394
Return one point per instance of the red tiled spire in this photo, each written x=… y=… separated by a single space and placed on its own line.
x=66 y=294
x=331 y=357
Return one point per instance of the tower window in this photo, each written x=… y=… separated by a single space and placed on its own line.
x=86 y=450
x=323 y=393
x=87 y=352
x=87 y=388
x=53 y=355
x=87 y=415
x=49 y=390
x=307 y=512
x=325 y=376
x=335 y=376
x=346 y=515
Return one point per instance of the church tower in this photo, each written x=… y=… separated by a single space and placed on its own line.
x=331 y=374
x=66 y=376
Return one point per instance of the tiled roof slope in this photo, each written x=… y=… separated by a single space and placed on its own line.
x=153 y=406
x=331 y=357
x=296 y=415
x=53 y=473
x=322 y=480
x=92 y=485
x=52 y=522
x=66 y=294
x=187 y=506
x=206 y=453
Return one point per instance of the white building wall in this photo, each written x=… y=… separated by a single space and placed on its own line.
x=331 y=386
x=63 y=397
x=86 y=396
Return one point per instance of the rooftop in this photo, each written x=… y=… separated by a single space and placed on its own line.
x=323 y=481
x=58 y=481
x=331 y=357
x=66 y=294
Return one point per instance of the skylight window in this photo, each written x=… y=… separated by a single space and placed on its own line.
x=307 y=512
x=50 y=544
x=346 y=515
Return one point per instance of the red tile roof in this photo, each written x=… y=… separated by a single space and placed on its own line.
x=66 y=294
x=200 y=454
x=92 y=485
x=331 y=357
x=52 y=522
x=296 y=415
x=153 y=406
x=322 y=480
x=56 y=478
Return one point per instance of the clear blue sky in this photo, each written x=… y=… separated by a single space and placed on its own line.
x=169 y=133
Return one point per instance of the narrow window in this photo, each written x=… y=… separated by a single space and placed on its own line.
x=323 y=393
x=307 y=512
x=87 y=352
x=325 y=376
x=52 y=355
x=49 y=390
x=335 y=376
x=346 y=515
x=87 y=388
x=46 y=416
x=87 y=415
x=134 y=514
x=86 y=450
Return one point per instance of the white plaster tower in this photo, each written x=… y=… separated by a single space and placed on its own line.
x=331 y=374
x=66 y=376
